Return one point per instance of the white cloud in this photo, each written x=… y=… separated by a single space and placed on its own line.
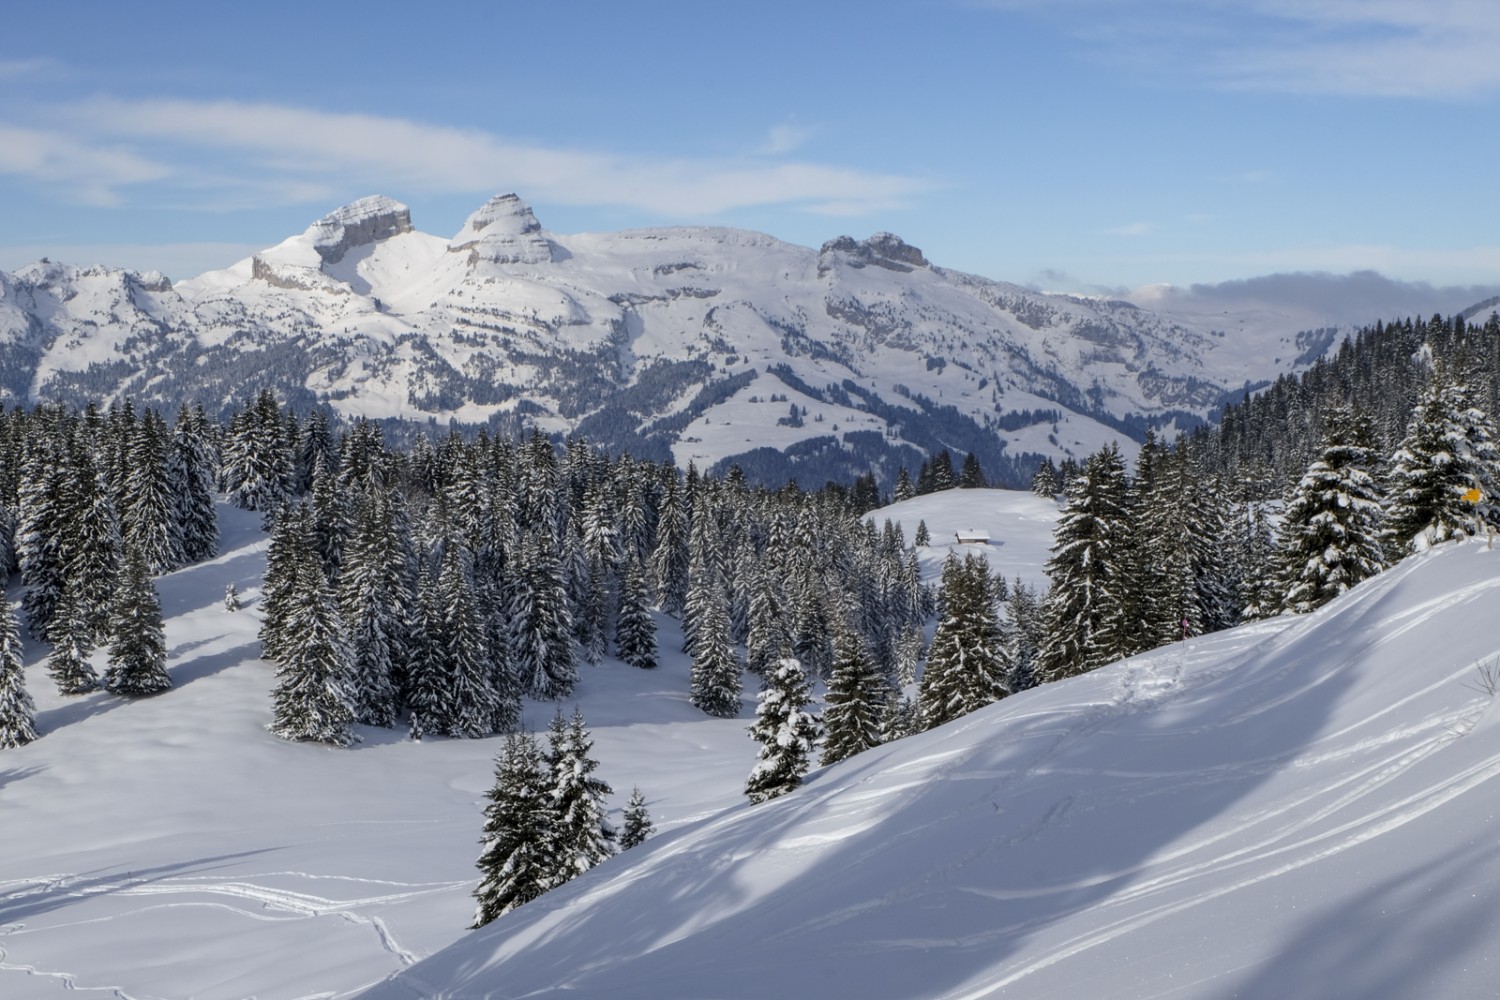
x=92 y=173
x=1392 y=48
x=269 y=146
x=786 y=138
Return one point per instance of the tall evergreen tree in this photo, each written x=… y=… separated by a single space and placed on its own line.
x=313 y=699
x=191 y=470
x=149 y=514
x=1449 y=450
x=137 y=645
x=857 y=693
x=17 y=710
x=1083 y=615
x=469 y=708
x=635 y=629
x=1330 y=530
x=715 y=675
x=72 y=642
x=541 y=639
x=582 y=835
x=786 y=731
x=518 y=861
x=966 y=664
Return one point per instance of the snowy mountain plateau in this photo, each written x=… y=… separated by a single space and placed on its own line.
x=695 y=344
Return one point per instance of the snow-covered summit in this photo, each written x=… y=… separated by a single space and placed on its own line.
x=358 y=223
x=503 y=231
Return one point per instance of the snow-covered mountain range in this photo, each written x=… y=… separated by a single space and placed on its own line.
x=689 y=343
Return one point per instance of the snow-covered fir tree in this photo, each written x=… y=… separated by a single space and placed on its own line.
x=635 y=628
x=1449 y=450
x=966 y=663
x=137 y=642
x=518 y=861
x=17 y=710
x=1084 y=612
x=541 y=626
x=72 y=643
x=1331 y=526
x=469 y=707
x=636 y=825
x=857 y=693
x=582 y=837
x=769 y=637
x=786 y=731
x=313 y=698
x=149 y=508
x=373 y=596
x=715 y=675
x=191 y=470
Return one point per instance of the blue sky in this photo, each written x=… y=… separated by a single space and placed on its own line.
x=1070 y=144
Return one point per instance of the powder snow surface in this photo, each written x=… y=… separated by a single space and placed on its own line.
x=1303 y=807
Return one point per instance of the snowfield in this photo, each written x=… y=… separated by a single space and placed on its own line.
x=1302 y=807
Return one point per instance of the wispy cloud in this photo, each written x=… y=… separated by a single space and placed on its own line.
x=219 y=151
x=91 y=172
x=16 y=69
x=787 y=137
x=1130 y=229
x=1385 y=48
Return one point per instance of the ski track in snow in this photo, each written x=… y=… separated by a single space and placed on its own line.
x=274 y=904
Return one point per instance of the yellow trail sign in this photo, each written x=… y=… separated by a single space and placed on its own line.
x=1473 y=495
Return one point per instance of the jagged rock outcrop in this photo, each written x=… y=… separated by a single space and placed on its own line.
x=358 y=223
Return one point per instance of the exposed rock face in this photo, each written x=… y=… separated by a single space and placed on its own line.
x=504 y=231
x=358 y=223
x=885 y=250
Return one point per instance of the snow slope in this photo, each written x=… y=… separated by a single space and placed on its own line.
x=1296 y=808
x=1305 y=807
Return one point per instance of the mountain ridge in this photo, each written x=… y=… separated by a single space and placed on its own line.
x=700 y=344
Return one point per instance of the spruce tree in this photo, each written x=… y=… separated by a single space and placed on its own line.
x=469 y=708
x=786 y=731
x=72 y=642
x=149 y=512
x=191 y=473
x=518 y=860
x=137 y=645
x=1449 y=450
x=1084 y=612
x=769 y=637
x=17 y=710
x=637 y=825
x=966 y=664
x=582 y=837
x=541 y=628
x=635 y=629
x=857 y=693
x=313 y=700
x=715 y=676
x=1330 y=530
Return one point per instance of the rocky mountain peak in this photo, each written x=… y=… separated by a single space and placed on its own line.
x=885 y=250
x=368 y=220
x=503 y=231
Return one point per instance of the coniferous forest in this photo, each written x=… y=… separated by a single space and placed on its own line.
x=431 y=587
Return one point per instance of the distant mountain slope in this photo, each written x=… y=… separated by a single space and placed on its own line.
x=684 y=343
x=1303 y=807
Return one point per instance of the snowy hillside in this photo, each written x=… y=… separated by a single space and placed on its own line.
x=694 y=344
x=1299 y=808
x=1291 y=808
